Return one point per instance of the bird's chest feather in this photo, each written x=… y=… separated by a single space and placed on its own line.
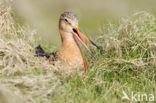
x=71 y=54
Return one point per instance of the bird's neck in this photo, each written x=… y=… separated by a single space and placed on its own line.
x=71 y=52
x=69 y=43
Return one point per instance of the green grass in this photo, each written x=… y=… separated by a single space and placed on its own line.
x=127 y=62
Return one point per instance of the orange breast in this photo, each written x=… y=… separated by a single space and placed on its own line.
x=71 y=54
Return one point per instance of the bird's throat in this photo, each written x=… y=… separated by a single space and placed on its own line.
x=70 y=51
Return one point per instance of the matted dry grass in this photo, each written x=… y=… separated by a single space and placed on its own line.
x=19 y=68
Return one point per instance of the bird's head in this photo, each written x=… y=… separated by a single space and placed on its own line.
x=68 y=24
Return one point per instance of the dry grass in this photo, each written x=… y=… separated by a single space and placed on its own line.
x=16 y=51
x=129 y=58
x=20 y=70
x=132 y=42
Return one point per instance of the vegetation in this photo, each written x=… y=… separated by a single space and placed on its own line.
x=126 y=63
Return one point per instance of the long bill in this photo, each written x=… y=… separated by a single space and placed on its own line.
x=76 y=31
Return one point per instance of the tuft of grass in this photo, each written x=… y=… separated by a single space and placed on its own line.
x=126 y=63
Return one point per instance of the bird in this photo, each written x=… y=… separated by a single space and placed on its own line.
x=70 y=52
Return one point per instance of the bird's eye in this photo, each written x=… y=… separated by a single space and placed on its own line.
x=65 y=20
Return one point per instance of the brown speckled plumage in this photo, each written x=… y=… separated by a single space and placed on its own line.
x=68 y=15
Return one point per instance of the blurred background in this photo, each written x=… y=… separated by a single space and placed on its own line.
x=43 y=15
